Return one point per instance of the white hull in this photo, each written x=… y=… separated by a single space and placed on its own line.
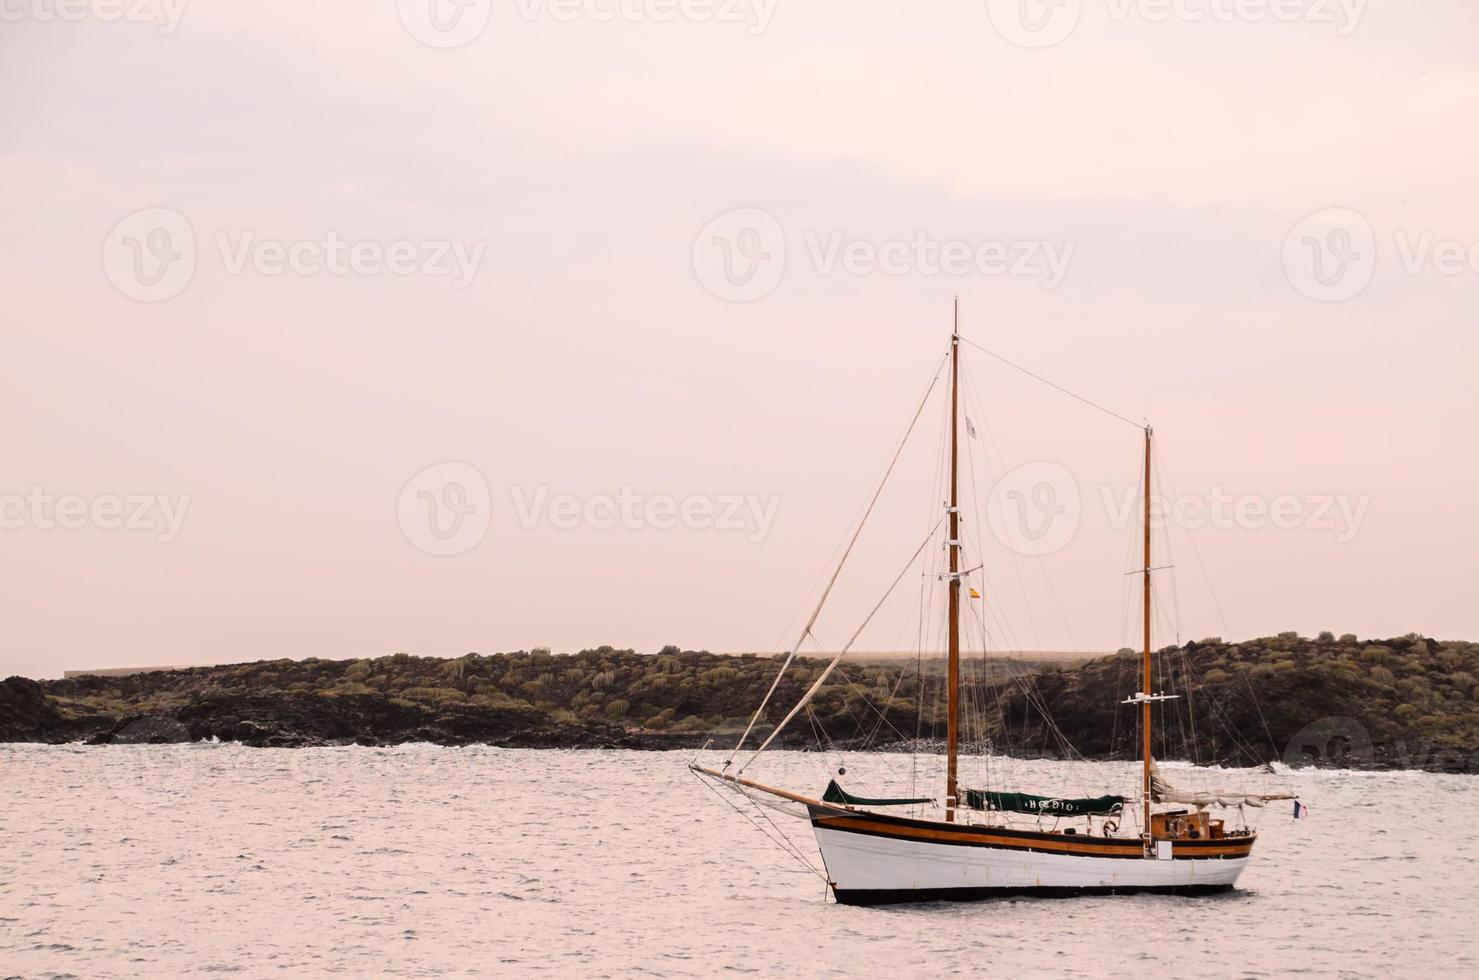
x=868 y=869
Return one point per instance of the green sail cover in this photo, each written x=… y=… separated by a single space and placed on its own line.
x=1052 y=806
x=836 y=794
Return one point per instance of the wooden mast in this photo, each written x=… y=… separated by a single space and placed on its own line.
x=1145 y=660
x=952 y=738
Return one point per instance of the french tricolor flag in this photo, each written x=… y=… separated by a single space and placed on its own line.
x=1301 y=812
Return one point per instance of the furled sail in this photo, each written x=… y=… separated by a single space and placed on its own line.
x=1053 y=806
x=1163 y=792
x=836 y=794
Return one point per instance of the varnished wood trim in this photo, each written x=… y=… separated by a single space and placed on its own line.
x=1020 y=840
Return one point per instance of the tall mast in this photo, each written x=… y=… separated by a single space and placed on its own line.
x=952 y=737
x=1145 y=660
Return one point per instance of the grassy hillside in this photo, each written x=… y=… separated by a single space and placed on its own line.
x=1408 y=702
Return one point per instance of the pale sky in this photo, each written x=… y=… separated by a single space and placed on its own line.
x=540 y=204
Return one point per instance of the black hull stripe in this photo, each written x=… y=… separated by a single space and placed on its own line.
x=905 y=896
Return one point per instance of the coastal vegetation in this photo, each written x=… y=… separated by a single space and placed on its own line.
x=1404 y=702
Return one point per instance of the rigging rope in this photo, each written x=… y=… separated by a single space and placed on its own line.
x=790 y=657
x=817 y=684
x=1038 y=377
x=784 y=842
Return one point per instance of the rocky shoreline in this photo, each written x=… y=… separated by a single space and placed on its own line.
x=1404 y=703
x=303 y=721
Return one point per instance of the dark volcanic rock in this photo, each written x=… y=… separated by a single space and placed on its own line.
x=1407 y=702
x=145 y=730
x=27 y=715
x=367 y=719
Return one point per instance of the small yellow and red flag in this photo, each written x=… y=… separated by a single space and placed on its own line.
x=975 y=594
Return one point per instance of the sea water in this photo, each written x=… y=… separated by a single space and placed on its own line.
x=421 y=861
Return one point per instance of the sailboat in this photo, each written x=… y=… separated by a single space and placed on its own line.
x=1170 y=842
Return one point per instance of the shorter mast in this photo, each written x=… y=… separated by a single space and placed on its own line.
x=1145 y=786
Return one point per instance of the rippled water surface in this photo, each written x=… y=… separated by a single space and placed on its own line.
x=425 y=861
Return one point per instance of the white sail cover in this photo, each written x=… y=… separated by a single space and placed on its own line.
x=1163 y=792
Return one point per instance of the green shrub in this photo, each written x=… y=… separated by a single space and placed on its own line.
x=434 y=694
